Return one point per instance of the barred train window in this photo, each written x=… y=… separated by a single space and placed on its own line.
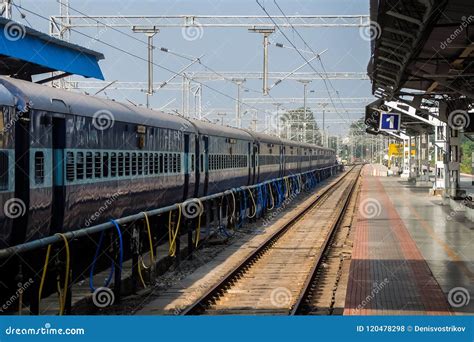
x=97 y=165
x=105 y=164
x=140 y=164
x=39 y=167
x=127 y=164
x=70 y=166
x=120 y=165
x=165 y=169
x=156 y=164
x=3 y=170
x=161 y=163
x=89 y=165
x=113 y=164
x=80 y=165
x=134 y=164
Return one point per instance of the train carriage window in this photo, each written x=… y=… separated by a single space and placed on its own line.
x=145 y=163
x=127 y=164
x=134 y=164
x=39 y=167
x=154 y=163
x=175 y=162
x=178 y=157
x=4 y=165
x=192 y=162
x=113 y=164
x=161 y=163
x=105 y=164
x=165 y=167
x=80 y=165
x=140 y=166
x=202 y=163
x=97 y=165
x=70 y=166
x=89 y=165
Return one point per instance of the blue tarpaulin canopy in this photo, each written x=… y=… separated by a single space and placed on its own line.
x=25 y=52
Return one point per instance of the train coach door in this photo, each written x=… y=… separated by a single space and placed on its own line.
x=249 y=164
x=255 y=163
x=282 y=161
x=22 y=180
x=59 y=144
x=186 y=167
x=206 y=164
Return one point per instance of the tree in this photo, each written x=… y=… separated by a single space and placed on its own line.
x=295 y=124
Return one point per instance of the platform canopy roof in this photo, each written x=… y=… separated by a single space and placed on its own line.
x=25 y=52
x=422 y=46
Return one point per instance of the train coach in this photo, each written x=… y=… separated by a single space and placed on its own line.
x=65 y=156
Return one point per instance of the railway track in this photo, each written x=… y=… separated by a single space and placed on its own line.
x=277 y=278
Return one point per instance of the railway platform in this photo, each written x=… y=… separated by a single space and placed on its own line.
x=411 y=255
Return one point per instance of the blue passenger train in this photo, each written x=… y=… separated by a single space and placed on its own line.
x=64 y=156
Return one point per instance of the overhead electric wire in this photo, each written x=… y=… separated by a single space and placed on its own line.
x=163 y=49
x=143 y=59
x=311 y=49
x=302 y=56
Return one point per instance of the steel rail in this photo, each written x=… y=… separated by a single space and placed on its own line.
x=220 y=287
x=306 y=289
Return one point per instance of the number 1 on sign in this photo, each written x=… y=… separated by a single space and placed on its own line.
x=391 y=121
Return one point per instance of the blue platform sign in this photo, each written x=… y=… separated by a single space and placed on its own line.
x=390 y=122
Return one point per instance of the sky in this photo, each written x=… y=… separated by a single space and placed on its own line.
x=223 y=50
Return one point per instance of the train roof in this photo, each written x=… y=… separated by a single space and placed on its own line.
x=209 y=128
x=27 y=95
x=262 y=137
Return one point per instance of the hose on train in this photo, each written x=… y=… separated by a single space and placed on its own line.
x=43 y=275
x=63 y=292
x=173 y=232
x=94 y=261
x=197 y=232
x=271 y=196
x=141 y=262
x=119 y=233
x=254 y=205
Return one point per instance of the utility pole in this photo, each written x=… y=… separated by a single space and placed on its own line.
x=278 y=105
x=238 y=117
x=7 y=9
x=266 y=32
x=305 y=118
x=150 y=32
x=323 y=132
x=222 y=115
